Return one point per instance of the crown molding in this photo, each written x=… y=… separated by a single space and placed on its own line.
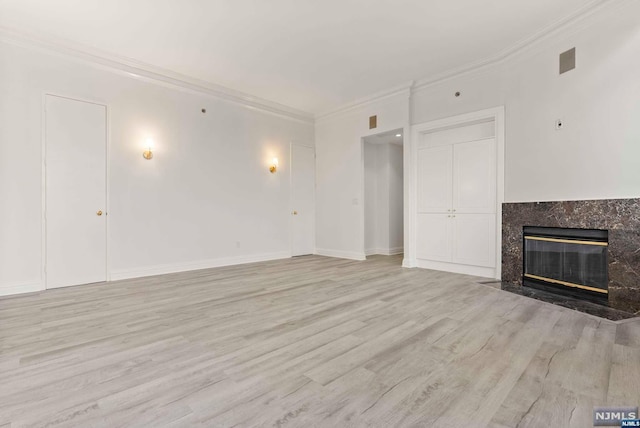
x=370 y=99
x=165 y=77
x=521 y=47
x=151 y=73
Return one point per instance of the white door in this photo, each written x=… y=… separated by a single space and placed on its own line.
x=435 y=233
x=302 y=200
x=474 y=181
x=75 y=189
x=474 y=239
x=435 y=179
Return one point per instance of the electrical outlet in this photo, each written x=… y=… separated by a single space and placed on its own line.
x=237 y=244
x=559 y=124
x=355 y=201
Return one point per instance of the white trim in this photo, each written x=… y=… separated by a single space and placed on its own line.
x=370 y=99
x=165 y=77
x=44 y=180
x=362 y=208
x=408 y=263
x=500 y=164
x=408 y=202
x=149 y=73
x=162 y=76
x=351 y=255
x=384 y=251
x=21 y=288
x=107 y=199
x=456 y=268
x=43 y=190
x=291 y=198
x=496 y=114
x=520 y=47
x=196 y=265
x=392 y=251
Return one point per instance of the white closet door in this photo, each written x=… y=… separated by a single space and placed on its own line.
x=75 y=165
x=435 y=232
x=474 y=239
x=474 y=179
x=435 y=179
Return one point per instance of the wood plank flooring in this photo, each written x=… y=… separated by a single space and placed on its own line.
x=308 y=342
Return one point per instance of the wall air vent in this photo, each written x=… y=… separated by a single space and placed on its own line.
x=568 y=60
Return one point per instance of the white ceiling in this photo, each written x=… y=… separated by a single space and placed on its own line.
x=310 y=55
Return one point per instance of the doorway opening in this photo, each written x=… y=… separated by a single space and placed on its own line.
x=383 y=194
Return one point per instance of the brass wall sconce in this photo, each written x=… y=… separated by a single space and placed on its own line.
x=274 y=166
x=148 y=154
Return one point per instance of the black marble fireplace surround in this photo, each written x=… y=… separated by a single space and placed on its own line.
x=619 y=217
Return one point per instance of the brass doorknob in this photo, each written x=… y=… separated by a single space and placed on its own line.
x=295 y=213
x=99 y=213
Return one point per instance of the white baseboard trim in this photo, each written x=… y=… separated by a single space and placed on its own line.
x=20 y=288
x=203 y=264
x=484 y=272
x=341 y=254
x=384 y=251
x=409 y=263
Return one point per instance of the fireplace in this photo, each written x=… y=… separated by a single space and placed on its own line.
x=568 y=261
x=617 y=219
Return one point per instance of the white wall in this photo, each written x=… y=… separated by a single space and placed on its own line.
x=396 y=198
x=383 y=198
x=207 y=187
x=370 y=153
x=596 y=155
x=339 y=172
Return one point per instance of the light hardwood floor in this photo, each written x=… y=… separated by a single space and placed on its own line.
x=311 y=341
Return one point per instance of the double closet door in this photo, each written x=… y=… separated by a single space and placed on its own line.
x=456 y=221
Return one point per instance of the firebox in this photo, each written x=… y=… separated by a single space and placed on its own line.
x=567 y=261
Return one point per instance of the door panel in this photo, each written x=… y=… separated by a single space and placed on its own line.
x=474 y=239
x=434 y=180
x=474 y=182
x=302 y=200
x=434 y=232
x=75 y=186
